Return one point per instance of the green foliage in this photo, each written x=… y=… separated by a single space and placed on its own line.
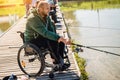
x=81 y=63
x=70 y=6
x=4 y=26
x=10 y=1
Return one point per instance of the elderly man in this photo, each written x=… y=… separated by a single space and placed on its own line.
x=40 y=31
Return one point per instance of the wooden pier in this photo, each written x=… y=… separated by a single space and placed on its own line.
x=10 y=43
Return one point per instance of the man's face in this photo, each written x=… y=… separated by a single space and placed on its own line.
x=45 y=10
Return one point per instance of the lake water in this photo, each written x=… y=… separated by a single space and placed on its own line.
x=100 y=28
x=6 y=22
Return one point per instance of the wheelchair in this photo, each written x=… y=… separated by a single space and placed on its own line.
x=33 y=60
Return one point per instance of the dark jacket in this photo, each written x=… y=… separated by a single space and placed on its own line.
x=36 y=27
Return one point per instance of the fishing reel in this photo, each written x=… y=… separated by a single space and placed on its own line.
x=77 y=49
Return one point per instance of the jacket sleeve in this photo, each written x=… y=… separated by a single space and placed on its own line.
x=51 y=26
x=37 y=25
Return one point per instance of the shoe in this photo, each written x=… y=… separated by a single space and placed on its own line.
x=65 y=67
x=56 y=68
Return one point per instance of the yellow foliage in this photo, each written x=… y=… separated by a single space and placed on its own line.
x=10 y=1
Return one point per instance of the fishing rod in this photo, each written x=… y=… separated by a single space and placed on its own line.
x=79 y=49
x=96 y=27
x=106 y=46
x=94 y=49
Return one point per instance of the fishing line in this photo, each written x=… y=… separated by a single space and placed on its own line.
x=96 y=27
x=86 y=46
x=105 y=46
x=95 y=49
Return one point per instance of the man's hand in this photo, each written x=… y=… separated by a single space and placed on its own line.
x=68 y=42
x=65 y=41
x=61 y=39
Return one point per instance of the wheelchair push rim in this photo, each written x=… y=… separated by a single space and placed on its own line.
x=30 y=60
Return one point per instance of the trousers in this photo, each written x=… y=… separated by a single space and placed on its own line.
x=56 y=48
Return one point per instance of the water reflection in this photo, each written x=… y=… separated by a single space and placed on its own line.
x=106 y=18
x=107 y=23
x=7 y=21
x=4 y=26
x=98 y=28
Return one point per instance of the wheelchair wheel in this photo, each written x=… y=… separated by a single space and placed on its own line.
x=30 y=60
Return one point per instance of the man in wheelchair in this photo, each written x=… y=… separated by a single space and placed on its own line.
x=41 y=32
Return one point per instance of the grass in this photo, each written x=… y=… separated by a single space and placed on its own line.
x=81 y=64
x=94 y=5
